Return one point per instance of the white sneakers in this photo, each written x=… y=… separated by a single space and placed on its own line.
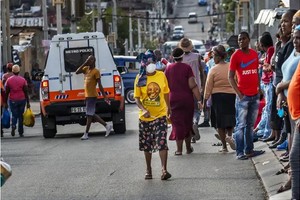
x=108 y=129
x=85 y=136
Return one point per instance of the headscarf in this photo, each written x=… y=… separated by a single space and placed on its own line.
x=145 y=59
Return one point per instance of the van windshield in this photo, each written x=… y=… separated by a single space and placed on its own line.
x=75 y=57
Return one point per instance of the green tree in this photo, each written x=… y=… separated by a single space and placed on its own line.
x=85 y=24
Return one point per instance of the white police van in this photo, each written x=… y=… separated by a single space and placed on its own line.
x=62 y=97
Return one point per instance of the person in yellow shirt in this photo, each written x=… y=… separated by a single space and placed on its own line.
x=91 y=79
x=152 y=98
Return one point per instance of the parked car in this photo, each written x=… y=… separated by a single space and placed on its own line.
x=192 y=17
x=199 y=46
x=177 y=35
x=202 y=2
x=178 y=28
x=128 y=68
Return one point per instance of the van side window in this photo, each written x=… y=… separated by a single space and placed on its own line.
x=75 y=57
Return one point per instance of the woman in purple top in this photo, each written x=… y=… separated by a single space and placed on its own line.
x=182 y=86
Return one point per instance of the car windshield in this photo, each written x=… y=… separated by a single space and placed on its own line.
x=177 y=32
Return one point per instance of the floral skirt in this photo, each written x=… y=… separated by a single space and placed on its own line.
x=153 y=135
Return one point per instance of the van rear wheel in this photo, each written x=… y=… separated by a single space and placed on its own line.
x=119 y=128
x=49 y=126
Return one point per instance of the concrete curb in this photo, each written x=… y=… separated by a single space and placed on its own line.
x=266 y=166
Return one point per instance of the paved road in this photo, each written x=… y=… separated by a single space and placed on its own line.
x=67 y=168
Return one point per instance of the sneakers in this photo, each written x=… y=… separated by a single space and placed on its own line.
x=204 y=124
x=108 y=129
x=85 y=136
x=283 y=146
x=231 y=142
x=196 y=131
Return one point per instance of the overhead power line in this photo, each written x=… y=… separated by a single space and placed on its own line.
x=162 y=18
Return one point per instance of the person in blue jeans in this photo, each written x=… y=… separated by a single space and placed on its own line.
x=17 y=95
x=244 y=66
x=263 y=129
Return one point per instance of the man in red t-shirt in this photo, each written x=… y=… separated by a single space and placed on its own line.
x=244 y=65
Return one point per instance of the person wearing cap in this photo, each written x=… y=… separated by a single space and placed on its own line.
x=17 y=96
x=8 y=73
x=194 y=61
x=183 y=89
x=151 y=93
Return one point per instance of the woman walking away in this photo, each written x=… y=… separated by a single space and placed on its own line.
x=151 y=94
x=183 y=88
x=223 y=97
x=17 y=94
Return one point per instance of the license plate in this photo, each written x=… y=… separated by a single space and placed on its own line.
x=78 y=109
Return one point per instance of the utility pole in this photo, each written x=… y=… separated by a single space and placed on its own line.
x=130 y=35
x=6 y=31
x=99 y=22
x=139 y=35
x=115 y=22
x=45 y=17
x=73 y=17
x=58 y=4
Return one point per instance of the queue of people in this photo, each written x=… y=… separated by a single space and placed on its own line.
x=235 y=88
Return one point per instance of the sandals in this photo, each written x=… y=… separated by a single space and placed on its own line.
x=148 y=175
x=223 y=150
x=177 y=153
x=165 y=175
x=217 y=144
x=285 y=187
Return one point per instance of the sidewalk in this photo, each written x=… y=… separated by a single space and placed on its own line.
x=266 y=166
x=35 y=106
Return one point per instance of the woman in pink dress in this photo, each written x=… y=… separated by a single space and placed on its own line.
x=182 y=86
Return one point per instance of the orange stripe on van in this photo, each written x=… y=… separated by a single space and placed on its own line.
x=73 y=95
